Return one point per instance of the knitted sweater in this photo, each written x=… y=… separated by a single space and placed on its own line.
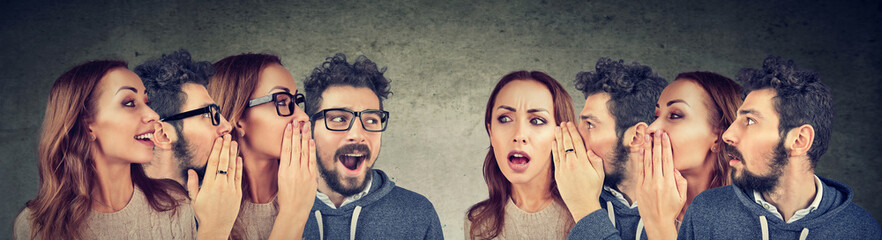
x=257 y=219
x=386 y=212
x=137 y=220
x=553 y=222
x=730 y=213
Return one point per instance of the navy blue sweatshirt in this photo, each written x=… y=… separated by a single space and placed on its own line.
x=618 y=222
x=387 y=212
x=731 y=213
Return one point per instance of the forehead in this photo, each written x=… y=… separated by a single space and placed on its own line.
x=761 y=101
x=597 y=105
x=120 y=77
x=197 y=96
x=686 y=90
x=525 y=94
x=274 y=78
x=353 y=98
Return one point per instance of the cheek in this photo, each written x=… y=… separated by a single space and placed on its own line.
x=541 y=143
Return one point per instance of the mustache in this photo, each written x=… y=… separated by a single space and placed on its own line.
x=349 y=148
x=732 y=152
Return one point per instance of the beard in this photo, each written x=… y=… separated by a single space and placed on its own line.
x=184 y=155
x=754 y=182
x=336 y=181
x=618 y=172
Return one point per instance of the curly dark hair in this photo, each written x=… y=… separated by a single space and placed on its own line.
x=335 y=71
x=801 y=99
x=164 y=76
x=633 y=90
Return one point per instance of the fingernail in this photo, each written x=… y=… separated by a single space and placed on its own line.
x=288 y=127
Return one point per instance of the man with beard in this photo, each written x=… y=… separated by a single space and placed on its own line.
x=354 y=201
x=619 y=103
x=190 y=119
x=781 y=131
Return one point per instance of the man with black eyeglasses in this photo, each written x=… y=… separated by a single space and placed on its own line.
x=190 y=119
x=355 y=201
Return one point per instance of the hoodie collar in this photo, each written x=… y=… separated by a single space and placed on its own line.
x=799 y=214
x=327 y=200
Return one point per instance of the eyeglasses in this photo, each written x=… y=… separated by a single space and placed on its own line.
x=212 y=110
x=282 y=101
x=341 y=119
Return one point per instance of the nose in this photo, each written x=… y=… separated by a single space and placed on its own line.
x=519 y=135
x=729 y=136
x=356 y=133
x=656 y=125
x=224 y=127
x=299 y=115
x=150 y=115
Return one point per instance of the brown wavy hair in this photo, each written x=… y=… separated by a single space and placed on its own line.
x=487 y=216
x=67 y=170
x=725 y=98
x=234 y=80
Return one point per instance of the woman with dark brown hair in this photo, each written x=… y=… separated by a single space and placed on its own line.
x=261 y=99
x=521 y=116
x=96 y=134
x=687 y=154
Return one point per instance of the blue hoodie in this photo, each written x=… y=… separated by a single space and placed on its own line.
x=614 y=220
x=387 y=212
x=731 y=213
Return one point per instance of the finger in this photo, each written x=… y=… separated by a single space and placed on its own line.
x=578 y=144
x=238 y=179
x=681 y=185
x=224 y=159
x=667 y=158
x=296 y=144
x=303 y=162
x=192 y=184
x=211 y=168
x=647 y=159
x=234 y=163
x=313 y=169
x=596 y=163
x=656 y=155
x=558 y=136
x=555 y=156
x=285 y=159
x=639 y=168
x=567 y=140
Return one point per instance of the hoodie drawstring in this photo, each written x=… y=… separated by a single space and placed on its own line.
x=764 y=226
x=354 y=222
x=318 y=219
x=611 y=212
x=639 y=229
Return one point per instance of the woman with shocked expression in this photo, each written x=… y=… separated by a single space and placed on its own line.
x=521 y=116
x=260 y=97
x=692 y=114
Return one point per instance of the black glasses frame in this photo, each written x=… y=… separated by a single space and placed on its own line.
x=321 y=114
x=298 y=98
x=212 y=109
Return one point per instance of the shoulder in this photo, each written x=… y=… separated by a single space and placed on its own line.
x=22 y=228
x=715 y=197
x=859 y=217
x=409 y=199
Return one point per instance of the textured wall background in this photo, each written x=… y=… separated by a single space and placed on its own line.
x=444 y=58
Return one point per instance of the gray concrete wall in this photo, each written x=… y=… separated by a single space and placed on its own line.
x=444 y=58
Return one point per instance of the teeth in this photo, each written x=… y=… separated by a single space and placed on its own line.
x=517 y=155
x=354 y=155
x=145 y=136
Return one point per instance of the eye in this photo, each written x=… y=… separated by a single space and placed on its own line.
x=206 y=115
x=750 y=121
x=503 y=119
x=589 y=125
x=338 y=119
x=674 y=116
x=538 y=121
x=282 y=103
x=129 y=103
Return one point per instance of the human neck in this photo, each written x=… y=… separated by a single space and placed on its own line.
x=793 y=191
x=263 y=178
x=698 y=180
x=532 y=196
x=115 y=186
x=165 y=166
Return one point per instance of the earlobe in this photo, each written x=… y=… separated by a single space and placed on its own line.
x=802 y=138
x=636 y=140
x=239 y=128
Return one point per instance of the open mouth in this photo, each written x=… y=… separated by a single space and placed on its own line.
x=518 y=161
x=352 y=160
x=145 y=138
x=733 y=154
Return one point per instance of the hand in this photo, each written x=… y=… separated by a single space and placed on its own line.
x=579 y=173
x=661 y=189
x=297 y=182
x=217 y=202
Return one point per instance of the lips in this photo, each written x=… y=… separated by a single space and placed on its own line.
x=145 y=138
x=734 y=155
x=352 y=156
x=352 y=160
x=518 y=161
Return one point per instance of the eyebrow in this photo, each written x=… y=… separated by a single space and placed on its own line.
x=279 y=87
x=126 y=88
x=750 y=111
x=676 y=101
x=589 y=117
x=534 y=110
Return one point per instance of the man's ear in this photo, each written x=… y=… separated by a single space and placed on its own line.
x=161 y=137
x=799 y=140
x=634 y=137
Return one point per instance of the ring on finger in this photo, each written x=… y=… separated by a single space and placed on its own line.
x=221 y=172
x=569 y=150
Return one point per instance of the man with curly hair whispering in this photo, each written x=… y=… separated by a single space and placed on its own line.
x=781 y=130
x=355 y=201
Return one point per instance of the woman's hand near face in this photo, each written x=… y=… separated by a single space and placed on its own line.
x=297 y=182
x=661 y=189
x=579 y=173
x=217 y=202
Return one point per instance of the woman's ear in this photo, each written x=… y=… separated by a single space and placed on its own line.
x=239 y=128
x=635 y=136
